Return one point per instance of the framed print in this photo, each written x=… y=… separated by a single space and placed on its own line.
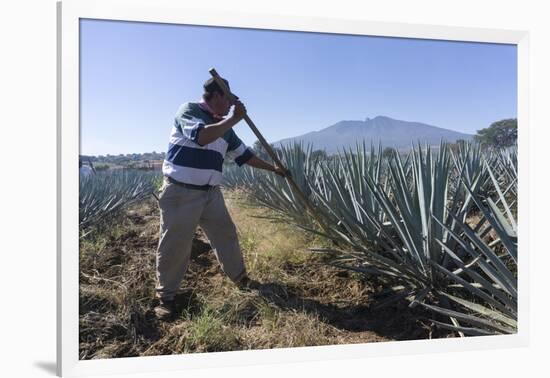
x=262 y=188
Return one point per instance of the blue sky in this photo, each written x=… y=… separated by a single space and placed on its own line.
x=135 y=75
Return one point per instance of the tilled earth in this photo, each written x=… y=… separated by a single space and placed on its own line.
x=316 y=304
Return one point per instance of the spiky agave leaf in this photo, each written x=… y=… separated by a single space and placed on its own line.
x=275 y=192
x=343 y=196
x=406 y=219
x=484 y=276
x=104 y=195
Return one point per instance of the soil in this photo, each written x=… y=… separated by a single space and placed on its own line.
x=317 y=304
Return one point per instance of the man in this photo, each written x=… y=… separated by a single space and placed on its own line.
x=200 y=140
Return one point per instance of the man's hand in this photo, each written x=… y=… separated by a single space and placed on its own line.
x=281 y=171
x=239 y=110
x=214 y=131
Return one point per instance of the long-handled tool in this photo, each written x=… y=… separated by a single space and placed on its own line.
x=270 y=151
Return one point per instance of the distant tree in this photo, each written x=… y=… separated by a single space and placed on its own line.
x=260 y=151
x=500 y=134
x=454 y=147
x=457 y=144
x=130 y=159
x=101 y=167
x=388 y=152
x=133 y=164
x=319 y=155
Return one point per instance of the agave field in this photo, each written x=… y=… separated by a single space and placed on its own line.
x=104 y=195
x=437 y=226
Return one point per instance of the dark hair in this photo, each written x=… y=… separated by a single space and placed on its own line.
x=211 y=87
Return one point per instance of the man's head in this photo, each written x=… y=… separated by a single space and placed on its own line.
x=215 y=98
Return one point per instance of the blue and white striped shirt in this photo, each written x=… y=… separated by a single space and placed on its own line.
x=187 y=161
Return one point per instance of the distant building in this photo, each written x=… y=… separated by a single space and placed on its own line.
x=156 y=165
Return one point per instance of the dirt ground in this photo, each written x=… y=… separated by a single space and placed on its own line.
x=302 y=301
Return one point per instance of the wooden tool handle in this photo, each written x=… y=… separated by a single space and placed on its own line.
x=247 y=119
x=269 y=150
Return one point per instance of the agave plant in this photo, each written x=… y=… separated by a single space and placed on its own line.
x=104 y=195
x=406 y=219
x=274 y=192
x=390 y=216
x=342 y=193
x=486 y=282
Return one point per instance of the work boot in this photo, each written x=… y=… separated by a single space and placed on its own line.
x=246 y=284
x=166 y=310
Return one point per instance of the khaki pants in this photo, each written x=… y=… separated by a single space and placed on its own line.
x=181 y=210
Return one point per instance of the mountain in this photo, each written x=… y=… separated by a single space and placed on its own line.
x=388 y=131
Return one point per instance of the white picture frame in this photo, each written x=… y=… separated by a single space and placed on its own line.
x=69 y=14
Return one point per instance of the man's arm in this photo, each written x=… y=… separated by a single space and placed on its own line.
x=214 y=131
x=256 y=162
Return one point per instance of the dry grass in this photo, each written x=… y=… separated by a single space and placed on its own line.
x=301 y=302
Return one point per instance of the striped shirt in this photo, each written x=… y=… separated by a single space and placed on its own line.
x=189 y=162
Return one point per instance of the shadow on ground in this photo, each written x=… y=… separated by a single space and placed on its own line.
x=396 y=322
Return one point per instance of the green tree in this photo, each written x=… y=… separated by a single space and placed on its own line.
x=500 y=134
x=388 y=152
x=319 y=155
x=260 y=151
x=457 y=144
